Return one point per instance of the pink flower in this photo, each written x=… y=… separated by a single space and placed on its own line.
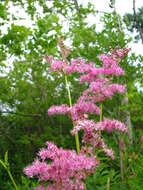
x=120 y=53
x=81 y=107
x=117 y=88
x=85 y=124
x=40 y=188
x=91 y=132
x=108 y=152
x=110 y=125
x=77 y=65
x=57 y=65
x=37 y=168
x=66 y=170
x=101 y=89
x=62 y=109
x=90 y=126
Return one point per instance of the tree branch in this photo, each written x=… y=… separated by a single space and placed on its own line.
x=21 y=114
x=137 y=21
x=77 y=8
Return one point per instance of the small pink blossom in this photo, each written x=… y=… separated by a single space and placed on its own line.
x=67 y=169
x=40 y=188
x=82 y=107
x=61 y=109
x=108 y=152
x=120 y=53
x=117 y=88
x=111 y=125
x=57 y=65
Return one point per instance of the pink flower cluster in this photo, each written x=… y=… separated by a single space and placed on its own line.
x=110 y=65
x=91 y=132
x=62 y=109
x=66 y=169
x=100 y=88
x=110 y=125
x=120 y=53
x=78 y=65
x=97 y=92
x=82 y=107
x=77 y=111
x=107 y=124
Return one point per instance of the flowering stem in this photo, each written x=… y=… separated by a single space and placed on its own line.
x=101 y=112
x=121 y=159
x=68 y=90
x=14 y=184
x=86 y=150
x=101 y=115
x=70 y=103
x=108 y=184
x=9 y=173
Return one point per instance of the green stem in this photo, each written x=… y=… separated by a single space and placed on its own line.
x=108 y=184
x=68 y=90
x=101 y=112
x=9 y=173
x=121 y=159
x=101 y=115
x=86 y=150
x=14 y=184
x=70 y=103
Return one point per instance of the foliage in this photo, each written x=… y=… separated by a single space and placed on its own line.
x=133 y=23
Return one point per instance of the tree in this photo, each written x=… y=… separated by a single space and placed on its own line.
x=134 y=22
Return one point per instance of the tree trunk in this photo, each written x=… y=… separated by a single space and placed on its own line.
x=125 y=100
x=127 y=118
x=137 y=21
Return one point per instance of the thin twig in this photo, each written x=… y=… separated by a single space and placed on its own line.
x=21 y=114
x=137 y=21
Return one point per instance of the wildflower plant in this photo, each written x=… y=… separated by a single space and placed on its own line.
x=67 y=169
